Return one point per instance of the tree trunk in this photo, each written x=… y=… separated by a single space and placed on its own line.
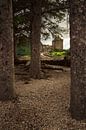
x=35 y=39
x=14 y=36
x=6 y=51
x=78 y=58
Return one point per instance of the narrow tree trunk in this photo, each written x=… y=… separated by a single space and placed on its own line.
x=6 y=51
x=35 y=39
x=14 y=37
x=78 y=58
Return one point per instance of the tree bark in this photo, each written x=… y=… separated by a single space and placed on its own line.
x=78 y=58
x=6 y=51
x=35 y=39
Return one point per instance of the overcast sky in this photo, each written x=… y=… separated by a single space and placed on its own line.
x=66 y=37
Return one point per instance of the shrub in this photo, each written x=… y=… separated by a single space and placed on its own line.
x=23 y=50
x=57 y=53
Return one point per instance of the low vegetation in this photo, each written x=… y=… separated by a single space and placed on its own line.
x=59 y=53
x=23 y=51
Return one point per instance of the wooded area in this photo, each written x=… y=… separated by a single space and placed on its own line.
x=31 y=18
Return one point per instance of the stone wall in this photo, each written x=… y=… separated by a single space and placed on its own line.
x=57 y=43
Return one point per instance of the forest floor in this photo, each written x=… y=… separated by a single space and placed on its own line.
x=41 y=105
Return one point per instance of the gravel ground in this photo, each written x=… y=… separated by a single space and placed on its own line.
x=41 y=105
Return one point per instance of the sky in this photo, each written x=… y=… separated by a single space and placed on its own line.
x=66 y=43
x=66 y=38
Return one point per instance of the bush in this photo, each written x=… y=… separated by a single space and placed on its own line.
x=59 y=53
x=23 y=50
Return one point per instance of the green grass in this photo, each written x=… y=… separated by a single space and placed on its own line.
x=58 y=53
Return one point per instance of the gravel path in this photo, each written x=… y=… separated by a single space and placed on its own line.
x=42 y=105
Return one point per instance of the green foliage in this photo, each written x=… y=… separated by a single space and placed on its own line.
x=19 y=19
x=23 y=50
x=53 y=12
x=59 y=53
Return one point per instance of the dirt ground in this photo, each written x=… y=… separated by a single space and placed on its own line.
x=41 y=105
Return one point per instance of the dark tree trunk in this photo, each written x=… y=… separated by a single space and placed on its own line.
x=78 y=58
x=6 y=51
x=14 y=31
x=35 y=39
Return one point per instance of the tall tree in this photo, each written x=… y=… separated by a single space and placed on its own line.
x=78 y=58
x=35 y=38
x=44 y=17
x=6 y=50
